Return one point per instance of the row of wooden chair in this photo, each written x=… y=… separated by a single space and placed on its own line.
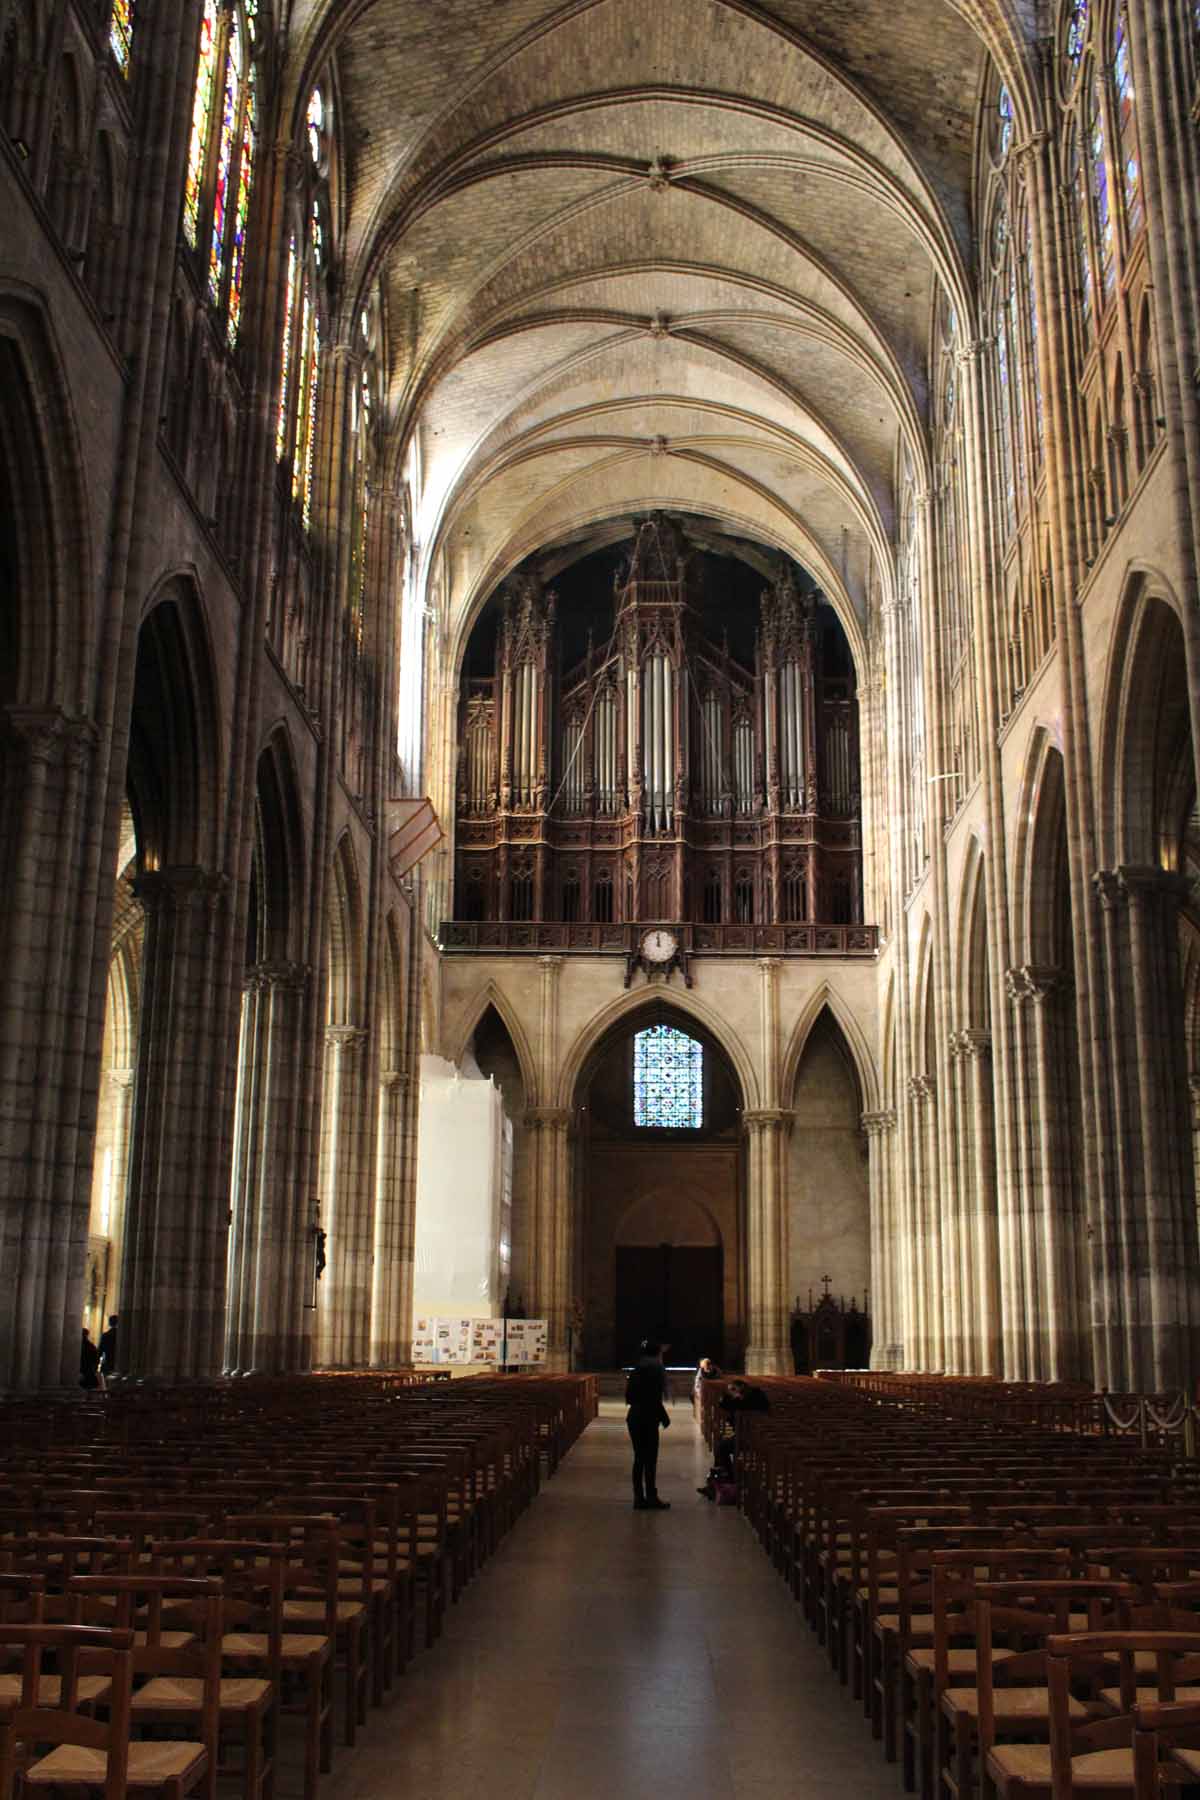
x=1016 y=1611
x=204 y=1568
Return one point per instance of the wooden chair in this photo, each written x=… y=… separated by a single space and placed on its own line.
x=86 y=1752
x=1166 y=1747
x=1009 y=1697
x=1088 y=1756
x=182 y=1680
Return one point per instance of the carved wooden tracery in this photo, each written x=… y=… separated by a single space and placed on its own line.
x=660 y=778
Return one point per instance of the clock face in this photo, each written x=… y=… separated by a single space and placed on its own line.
x=659 y=946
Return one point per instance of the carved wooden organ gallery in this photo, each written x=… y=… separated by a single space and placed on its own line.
x=659 y=778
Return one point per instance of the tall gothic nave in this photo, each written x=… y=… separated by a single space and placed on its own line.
x=599 y=678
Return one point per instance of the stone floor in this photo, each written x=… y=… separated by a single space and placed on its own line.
x=605 y=1654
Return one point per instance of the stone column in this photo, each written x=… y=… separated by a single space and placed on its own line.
x=979 y=1249
x=1155 y=1223
x=47 y=1036
x=550 y=1259
x=120 y=1113
x=177 y=1211
x=767 y=1348
x=269 y=1329
x=925 y=1275
x=344 y=1297
x=885 y=1241
x=391 y=1335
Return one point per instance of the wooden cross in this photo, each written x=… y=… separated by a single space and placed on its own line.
x=827 y=1283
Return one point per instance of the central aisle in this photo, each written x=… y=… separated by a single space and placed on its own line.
x=607 y=1654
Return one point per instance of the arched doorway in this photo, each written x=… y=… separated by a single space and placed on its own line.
x=660 y=1186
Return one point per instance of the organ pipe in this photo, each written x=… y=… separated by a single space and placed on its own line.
x=616 y=746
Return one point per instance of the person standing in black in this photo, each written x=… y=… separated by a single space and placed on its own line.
x=645 y=1396
x=108 y=1347
x=89 y=1362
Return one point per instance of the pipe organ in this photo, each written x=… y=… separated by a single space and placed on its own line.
x=660 y=777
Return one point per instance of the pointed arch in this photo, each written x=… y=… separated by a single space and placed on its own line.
x=921 y=1014
x=827 y=999
x=345 y=938
x=493 y=996
x=887 y=1042
x=1039 y=843
x=278 y=852
x=684 y=1005
x=45 y=618
x=973 y=1001
x=1145 y=680
x=175 y=733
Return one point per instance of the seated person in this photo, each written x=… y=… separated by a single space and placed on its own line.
x=706 y=1370
x=740 y=1396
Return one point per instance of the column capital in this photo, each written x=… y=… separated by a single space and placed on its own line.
x=290 y=977
x=179 y=886
x=767 y=1118
x=1029 y=147
x=50 y=735
x=875 y=1124
x=548 y=1118
x=551 y=965
x=346 y=1040
x=1149 y=882
x=394 y=1080
x=1034 y=981
x=922 y=1088
x=970 y=1044
x=120 y=1078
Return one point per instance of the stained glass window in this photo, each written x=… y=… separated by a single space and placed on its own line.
x=1103 y=199
x=1018 y=378
x=1131 y=175
x=245 y=171
x=1005 y=401
x=289 y=307
x=1077 y=190
x=316 y=125
x=1004 y=124
x=1032 y=306
x=201 y=114
x=225 y=148
x=220 y=170
x=120 y=33
x=1077 y=24
x=668 y=1079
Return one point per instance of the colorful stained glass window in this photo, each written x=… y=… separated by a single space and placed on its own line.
x=1004 y=124
x=225 y=153
x=316 y=125
x=1018 y=374
x=310 y=433
x=1035 y=373
x=242 y=212
x=1104 y=220
x=668 y=1079
x=1077 y=25
x=1004 y=399
x=1077 y=189
x=285 y=374
x=302 y=396
x=120 y=33
x=206 y=76
x=1131 y=174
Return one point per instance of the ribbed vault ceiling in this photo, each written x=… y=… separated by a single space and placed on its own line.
x=682 y=255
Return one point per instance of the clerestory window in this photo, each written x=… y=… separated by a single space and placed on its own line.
x=668 y=1079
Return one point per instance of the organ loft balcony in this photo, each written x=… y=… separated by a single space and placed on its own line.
x=659 y=732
